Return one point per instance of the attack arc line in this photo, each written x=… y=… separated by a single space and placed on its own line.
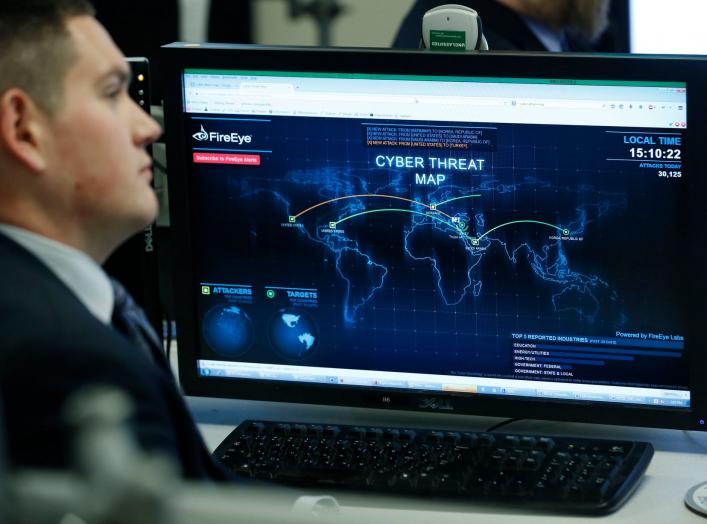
x=456 y=198
x=474 y=241
x=391 y=210
x=393 y=197
x=561 y=229
x=433 y=208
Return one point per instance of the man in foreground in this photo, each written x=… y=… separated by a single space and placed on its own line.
x=74 y=184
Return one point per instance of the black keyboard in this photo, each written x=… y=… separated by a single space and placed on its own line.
x=576 y=475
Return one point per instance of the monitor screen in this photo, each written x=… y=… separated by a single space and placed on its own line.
x=668 y=27
x=432 y=240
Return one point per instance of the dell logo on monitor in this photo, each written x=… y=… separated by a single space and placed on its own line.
x=148 y=236
x=436 y=404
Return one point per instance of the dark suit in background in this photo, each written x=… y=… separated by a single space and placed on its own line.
x=504 y=29
x=51 y=346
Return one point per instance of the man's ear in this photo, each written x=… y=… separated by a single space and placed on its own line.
x=23 y=129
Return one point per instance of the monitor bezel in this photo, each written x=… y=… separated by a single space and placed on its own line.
x=691 y=70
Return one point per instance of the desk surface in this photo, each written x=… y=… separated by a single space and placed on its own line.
x=679 y=463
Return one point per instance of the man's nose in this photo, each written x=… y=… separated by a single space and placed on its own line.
x=146 y=128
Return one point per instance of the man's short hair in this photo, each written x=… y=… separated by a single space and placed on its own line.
x=36 y=49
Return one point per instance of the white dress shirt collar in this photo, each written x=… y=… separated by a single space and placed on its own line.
x=75 y=269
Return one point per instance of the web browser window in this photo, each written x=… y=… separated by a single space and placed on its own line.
x=496 y=236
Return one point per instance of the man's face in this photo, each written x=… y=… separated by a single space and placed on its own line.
x=99 y=137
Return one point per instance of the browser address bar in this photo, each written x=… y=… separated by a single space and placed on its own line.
x=278 y=93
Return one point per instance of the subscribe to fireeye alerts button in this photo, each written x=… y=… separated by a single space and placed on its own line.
x=230 y=159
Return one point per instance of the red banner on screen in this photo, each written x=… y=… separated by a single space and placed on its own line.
x=238 y=159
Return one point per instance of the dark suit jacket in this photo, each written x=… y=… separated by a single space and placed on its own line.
x=504 y=29
x=51 y=346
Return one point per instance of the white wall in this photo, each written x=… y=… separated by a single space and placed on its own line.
x=677 y=26
x=366 y=23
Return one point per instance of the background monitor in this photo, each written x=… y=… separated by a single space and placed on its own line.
x=135 y=262
x=494 y=234
x=668 y=27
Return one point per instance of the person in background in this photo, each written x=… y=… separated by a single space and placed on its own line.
x=523 y=25
x=74 y=184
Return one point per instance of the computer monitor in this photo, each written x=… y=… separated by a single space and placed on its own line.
x=497 y=234
x=668 y=27
x=134 y=263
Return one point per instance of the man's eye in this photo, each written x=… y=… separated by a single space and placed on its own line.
x=114 y=92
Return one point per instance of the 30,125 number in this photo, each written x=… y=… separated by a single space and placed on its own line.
x=670 y=174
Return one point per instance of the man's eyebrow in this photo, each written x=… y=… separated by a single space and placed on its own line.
x=124 y=76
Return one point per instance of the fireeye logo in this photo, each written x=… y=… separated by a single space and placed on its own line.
x=201 y=135
x=213 y=136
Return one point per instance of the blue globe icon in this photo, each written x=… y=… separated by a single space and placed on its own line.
x=293 y=334
x=228 y=330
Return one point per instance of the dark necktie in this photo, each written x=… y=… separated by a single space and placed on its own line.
x=130 y=320
x=565 y=46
